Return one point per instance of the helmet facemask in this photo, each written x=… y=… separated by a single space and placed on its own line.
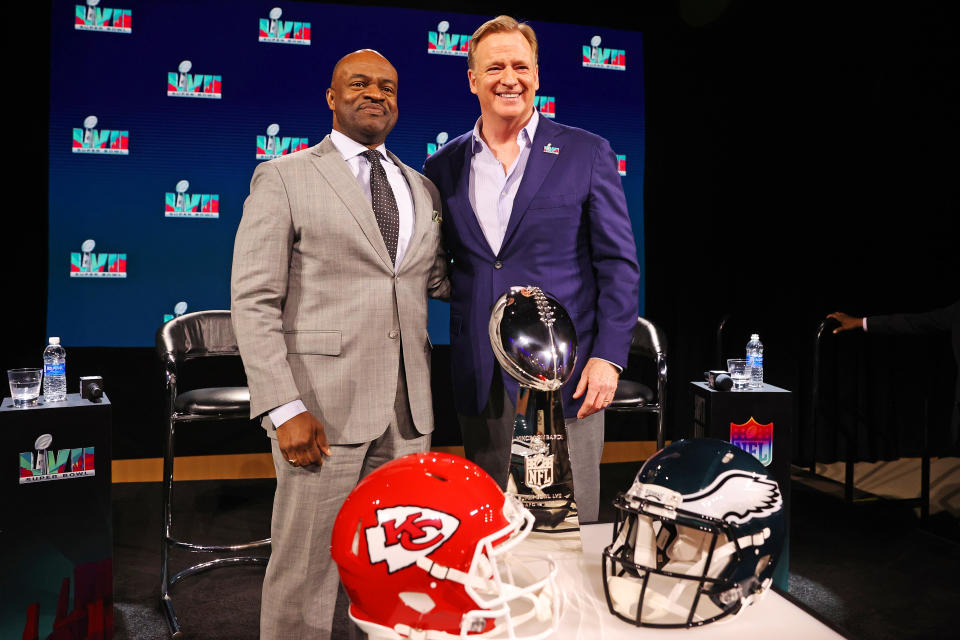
x=670 y=568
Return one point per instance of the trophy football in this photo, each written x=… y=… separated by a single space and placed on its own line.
x=534 y=340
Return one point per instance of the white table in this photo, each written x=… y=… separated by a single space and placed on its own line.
x=586 y=615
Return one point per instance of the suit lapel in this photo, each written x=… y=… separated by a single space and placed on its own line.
x=332 y=168
x=538 y=166
x=460 y=200
x=422 y=208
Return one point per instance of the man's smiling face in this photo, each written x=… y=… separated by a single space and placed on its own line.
x=504 y=77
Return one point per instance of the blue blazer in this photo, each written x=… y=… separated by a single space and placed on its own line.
x=569 y=233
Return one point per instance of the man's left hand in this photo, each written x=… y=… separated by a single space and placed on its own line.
x=599 y=381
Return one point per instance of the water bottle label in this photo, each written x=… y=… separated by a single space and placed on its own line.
x=54 y=369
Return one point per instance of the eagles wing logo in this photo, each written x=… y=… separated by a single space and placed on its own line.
x=402 y=535
x=736 y=496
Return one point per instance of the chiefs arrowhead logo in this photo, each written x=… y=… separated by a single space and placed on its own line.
x=405 y=534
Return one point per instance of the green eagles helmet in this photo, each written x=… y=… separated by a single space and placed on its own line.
x=697 y=536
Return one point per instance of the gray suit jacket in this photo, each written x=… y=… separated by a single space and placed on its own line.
x=318 y=312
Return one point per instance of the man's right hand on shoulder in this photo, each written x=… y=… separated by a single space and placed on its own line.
x=303 y=440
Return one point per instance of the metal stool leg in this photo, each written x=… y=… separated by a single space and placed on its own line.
x=166 y=605
x=925 y=465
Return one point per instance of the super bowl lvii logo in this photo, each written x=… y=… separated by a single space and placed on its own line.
x=63 y=464
x=89 y=139
x=87 y=264
x=273 y=29
x=433 y=147
x=441 y=42
x=183 y=84
x=94 y=18
x=181 y=204
x=273 y=146
x=597 y=57
x=178 y=310
x=546 y=105
x=622 y=164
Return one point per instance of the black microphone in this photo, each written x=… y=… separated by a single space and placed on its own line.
x=719 y=380
x=91 y=388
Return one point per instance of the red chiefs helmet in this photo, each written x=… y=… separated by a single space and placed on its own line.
x=426 y=549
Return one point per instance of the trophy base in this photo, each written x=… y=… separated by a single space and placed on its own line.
x=555 y=518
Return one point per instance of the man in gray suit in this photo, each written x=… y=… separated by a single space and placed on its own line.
x=335 y=256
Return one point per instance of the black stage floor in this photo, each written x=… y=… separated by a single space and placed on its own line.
x=869 y=570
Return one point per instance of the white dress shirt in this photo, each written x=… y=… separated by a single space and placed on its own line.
x=491 y=190
x=352 y=153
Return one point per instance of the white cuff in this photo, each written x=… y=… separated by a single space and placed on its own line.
x=615 y=365
x=286 y=411
x=864 y=323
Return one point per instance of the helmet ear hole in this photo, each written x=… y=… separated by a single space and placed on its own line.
x=355 y=545
x=762 y=563
x=418 y=601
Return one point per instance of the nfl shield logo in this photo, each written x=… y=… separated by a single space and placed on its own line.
x=539 y=471
x=754 y=438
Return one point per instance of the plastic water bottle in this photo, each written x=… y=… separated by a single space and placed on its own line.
x=54 y=371
x=755 y=361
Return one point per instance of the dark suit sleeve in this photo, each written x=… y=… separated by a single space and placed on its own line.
x=613 y=253
x=916 y=323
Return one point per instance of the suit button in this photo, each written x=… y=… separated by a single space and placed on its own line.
x=394 y=334
x=498 y=265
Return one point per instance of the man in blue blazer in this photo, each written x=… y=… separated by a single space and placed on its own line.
x=531 y=202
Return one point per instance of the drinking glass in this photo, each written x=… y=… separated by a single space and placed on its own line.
x=24 y=386
x=739 y=373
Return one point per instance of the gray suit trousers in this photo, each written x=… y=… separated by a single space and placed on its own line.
x=487 y=439
x=301 y=583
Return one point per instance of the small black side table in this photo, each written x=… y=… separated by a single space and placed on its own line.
x=56 y=522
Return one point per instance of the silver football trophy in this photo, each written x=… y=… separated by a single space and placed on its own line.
x=534 y=340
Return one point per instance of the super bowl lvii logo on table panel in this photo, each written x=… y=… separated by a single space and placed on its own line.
x=273 y=146
x=597 y=57
x=181 y=204
x=89 y=139
x=442 y=42
x=183 y=84
x=95 y=18
x=546 y=105
x=62 y=464
x=87 y=264
x=273 y=29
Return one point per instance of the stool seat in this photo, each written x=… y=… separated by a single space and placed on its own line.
x=630 y=393
x=214 y=401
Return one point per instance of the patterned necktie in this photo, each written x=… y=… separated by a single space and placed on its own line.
x=384 y=204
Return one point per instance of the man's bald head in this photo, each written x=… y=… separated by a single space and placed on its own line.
x=359 y=54
x=363 y=97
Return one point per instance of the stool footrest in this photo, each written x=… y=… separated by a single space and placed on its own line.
x=213 y=548
x=213 y=564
